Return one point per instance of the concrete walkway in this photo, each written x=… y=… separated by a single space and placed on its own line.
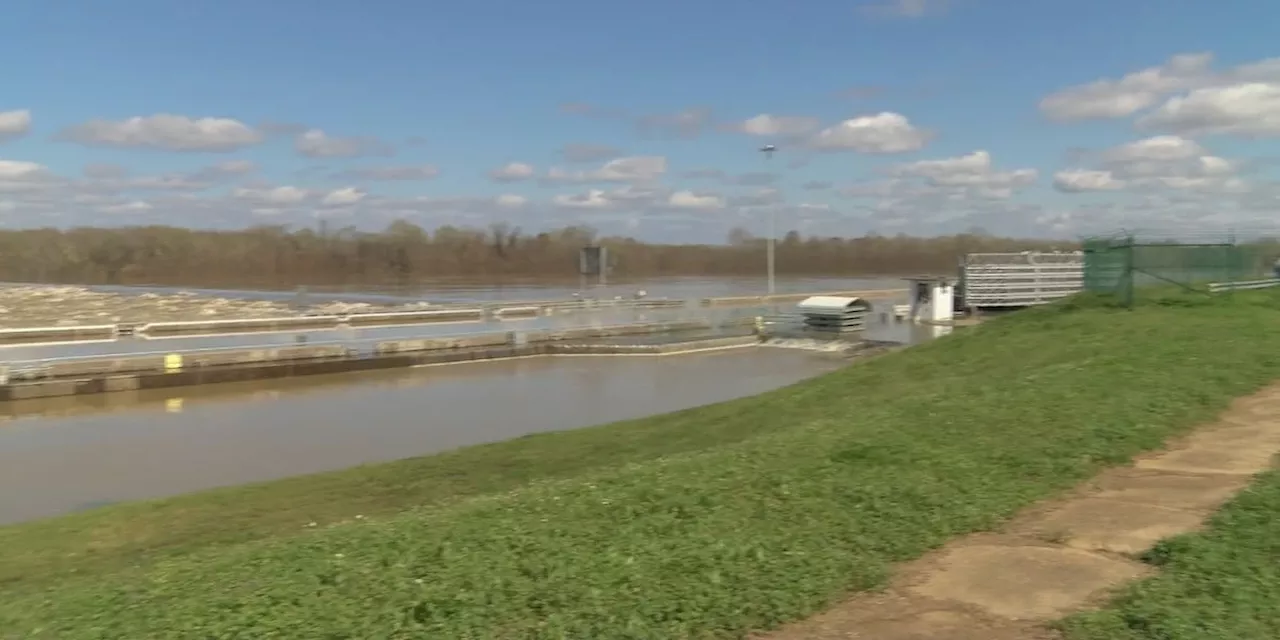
x=1064 y=555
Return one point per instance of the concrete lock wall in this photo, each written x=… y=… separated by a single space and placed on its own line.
x=155 y=371
x=52 y=334
x=176 y=362
x=413 y=317
x=453 y=313
x=203 y=327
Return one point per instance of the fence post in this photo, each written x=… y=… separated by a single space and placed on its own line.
x=1128 y=273
x=1231 y=256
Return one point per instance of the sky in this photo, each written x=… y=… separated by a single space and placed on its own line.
x=1040 y=118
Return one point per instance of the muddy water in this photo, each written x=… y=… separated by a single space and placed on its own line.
x=67 y=454
x=464 y=291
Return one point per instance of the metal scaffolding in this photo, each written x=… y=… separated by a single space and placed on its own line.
x=1021 y=279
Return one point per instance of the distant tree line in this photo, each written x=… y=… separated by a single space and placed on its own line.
x=404 y=253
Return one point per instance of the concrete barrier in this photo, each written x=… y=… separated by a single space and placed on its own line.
x=238 y=365
x=58 y=334
x=782 y=298
x=107 y=366
x=389 y=347
x=413 y=317
x=101 y=366
x=515 y=313
x=450 y=313
x=250 y=325
x=652 y=349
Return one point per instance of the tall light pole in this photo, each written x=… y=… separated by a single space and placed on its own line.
x=768 y=150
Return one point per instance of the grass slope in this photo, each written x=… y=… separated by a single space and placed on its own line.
x=706 y=523
x=1221 y=584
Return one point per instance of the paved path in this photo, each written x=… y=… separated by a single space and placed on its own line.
x=1061 y=556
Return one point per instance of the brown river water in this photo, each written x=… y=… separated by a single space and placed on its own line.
x=67 y=454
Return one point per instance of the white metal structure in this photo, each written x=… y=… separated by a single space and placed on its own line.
x=932 y=299
x=1265 y=283
x=1020 y=279
x=834 y=313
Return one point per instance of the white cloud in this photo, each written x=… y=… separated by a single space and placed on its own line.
x=1158 y=148
x=698 y=201
x=233 y=167
x=14 y=124
x=1159 y=162
x=1081 y=180
x=1134 y=92
x=412 y=172
x=906 y=8
x=102 y=170
x=770 y=125
x=885 y=132
x=170 y=182
x=285 y=195
x=1249 y=109
x=973 y=171
x=593 y=199
x=342 y=197
x=512 y=172
x=19 y=170
x=1164 y=157
x=767 y=197
x=133 y=206
x=167 y=132
x=315 y=143
x=686 y=123
x=1183 y=96
x=509 y=200
x=629 y=169
x=588 y=152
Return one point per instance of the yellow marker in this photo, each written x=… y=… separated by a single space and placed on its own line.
x=173 y=405
x=173 y=363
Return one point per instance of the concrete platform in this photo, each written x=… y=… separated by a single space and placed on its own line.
x=451 y=313
x=157 y=371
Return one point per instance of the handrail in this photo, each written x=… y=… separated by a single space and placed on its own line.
x=350 y=342
x=1243 y=285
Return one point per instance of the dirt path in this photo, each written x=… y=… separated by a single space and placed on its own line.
x=1061 y=556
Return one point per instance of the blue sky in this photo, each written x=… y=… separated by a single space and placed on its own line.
x=441 y=95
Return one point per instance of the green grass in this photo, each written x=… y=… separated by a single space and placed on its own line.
x=1222 y=584
x=706 y=523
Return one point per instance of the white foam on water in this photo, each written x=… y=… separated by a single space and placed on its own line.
x=825 y=346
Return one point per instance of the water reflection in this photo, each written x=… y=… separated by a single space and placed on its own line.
x=59 y=454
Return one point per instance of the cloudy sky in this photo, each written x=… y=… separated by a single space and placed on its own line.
x=1030 y=117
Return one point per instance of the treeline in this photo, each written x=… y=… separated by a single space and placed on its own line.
x=403 y=253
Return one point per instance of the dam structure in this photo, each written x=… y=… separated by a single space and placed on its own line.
x=39 y=362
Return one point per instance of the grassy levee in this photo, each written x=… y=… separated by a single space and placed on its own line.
x=126 y=534
x=1219 y=584
x=705 y=523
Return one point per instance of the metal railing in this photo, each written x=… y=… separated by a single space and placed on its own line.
x=1243 y=285
x=358 y=347
x=1020 y=279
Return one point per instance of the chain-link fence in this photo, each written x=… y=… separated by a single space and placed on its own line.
x=1132 y=265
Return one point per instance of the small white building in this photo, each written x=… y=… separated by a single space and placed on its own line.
x=834 y=313
x=932 y=299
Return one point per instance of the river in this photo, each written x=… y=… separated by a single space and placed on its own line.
x=66 y=454
x=445 y=291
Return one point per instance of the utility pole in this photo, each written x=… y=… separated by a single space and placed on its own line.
x=768 y=150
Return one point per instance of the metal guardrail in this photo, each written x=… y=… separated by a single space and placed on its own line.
x=38 y=368
x=1243 y=285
